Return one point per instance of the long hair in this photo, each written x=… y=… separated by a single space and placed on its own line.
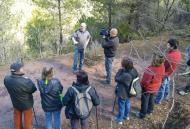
x=82 y=77
x=158 y=59
x=47 y=72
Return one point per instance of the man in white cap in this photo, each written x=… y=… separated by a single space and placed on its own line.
x=80 y=38
x=110 y=46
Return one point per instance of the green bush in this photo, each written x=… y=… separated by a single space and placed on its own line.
x=126 y=33
x=93 y=54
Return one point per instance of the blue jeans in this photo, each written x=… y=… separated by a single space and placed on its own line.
x=124 y=106
x=49 y=122
x=163 y=91
x=83 y=123
x=78 y=56
x=108 y=67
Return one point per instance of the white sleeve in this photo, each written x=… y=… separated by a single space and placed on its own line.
x=74 y=40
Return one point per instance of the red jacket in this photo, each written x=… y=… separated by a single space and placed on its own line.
x=152 y=78
x=173 y=58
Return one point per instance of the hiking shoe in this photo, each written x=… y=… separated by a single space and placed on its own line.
x=118 y=121
x=105 y=82
x=182 y=92
x=138 y=114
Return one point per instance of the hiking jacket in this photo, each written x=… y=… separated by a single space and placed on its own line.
x=173 y=58
x=50 y=95
x=124 y=79
x=69 y=99
x=20 y=89
x=82 y=38
x=110 y=46
x=152 y=78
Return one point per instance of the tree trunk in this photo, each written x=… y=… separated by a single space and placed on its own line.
x=109 y=14
x=60 y=27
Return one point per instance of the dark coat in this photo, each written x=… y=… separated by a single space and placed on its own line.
x=50 y=95
x=110 y=46
x=124 y=79
x=20 y=89
x=69 y=99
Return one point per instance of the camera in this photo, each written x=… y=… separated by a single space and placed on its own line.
x=105 y=33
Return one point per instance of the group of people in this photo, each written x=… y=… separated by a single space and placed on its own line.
x=21 y=91
x=81 y=96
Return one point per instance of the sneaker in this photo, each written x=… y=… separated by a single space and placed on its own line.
x=118 y=121
x=75 y=72
x=157 y=102
x=149 y=113
x=126 y=118
x=182 y=92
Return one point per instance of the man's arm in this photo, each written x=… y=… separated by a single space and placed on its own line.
x=108 y=44
x=88 y=39
x=74 y=38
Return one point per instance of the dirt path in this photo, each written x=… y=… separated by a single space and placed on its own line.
x=62 y=66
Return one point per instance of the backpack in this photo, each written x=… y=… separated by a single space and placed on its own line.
x=135 y=87
x=83 y=103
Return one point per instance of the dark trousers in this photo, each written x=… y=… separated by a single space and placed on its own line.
x=27 y=119
x=147 y=103
x=83 y=123
x=187 y=88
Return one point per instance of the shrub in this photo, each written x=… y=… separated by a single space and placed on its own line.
x=93 y=54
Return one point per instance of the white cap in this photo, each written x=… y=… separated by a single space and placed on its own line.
x=83 y=24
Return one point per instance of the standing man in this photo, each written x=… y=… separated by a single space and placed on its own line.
x=80 y=38
x=20 y=90
x=110 y=46
x=172 y=60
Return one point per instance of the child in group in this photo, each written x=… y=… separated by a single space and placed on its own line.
x=79 y=99
x=151 y=81
x=124 y=78
x=50 y=91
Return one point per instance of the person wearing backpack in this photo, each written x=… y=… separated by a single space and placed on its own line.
x=50 y=91
x=20 y=89
x=79 y=99
x=151 y=81
x=124 y=78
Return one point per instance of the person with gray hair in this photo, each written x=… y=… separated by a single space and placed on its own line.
x=80 y=39
x=110 y=47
